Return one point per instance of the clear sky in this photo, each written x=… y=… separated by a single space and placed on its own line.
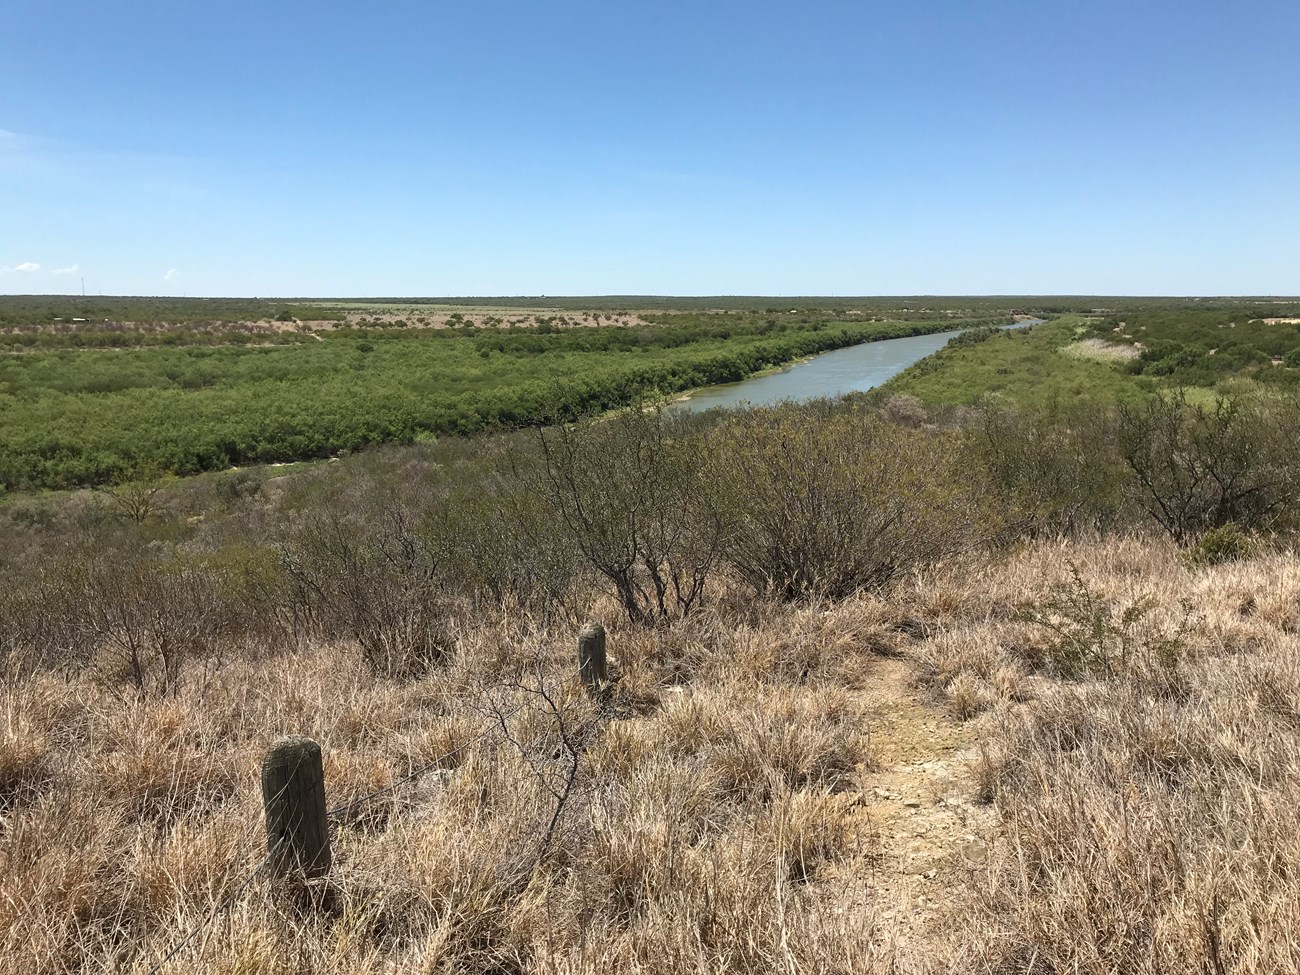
x=529 y=147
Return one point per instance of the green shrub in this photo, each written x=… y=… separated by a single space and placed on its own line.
x=1226 y=543
x=1090 y=637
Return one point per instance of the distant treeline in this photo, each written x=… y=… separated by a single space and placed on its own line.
x=974 y=304
x=21 y=311
x=28 y=310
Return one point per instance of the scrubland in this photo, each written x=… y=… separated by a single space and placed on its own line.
x=183 y=389
x=1106 y=651
x=1123 y=351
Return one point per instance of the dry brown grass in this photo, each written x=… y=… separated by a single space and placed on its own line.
x=1144 y=811
x=694 y=839
x=1150 y=811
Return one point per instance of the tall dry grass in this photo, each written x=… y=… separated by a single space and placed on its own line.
x=1138 y=720
x=1149 y=802
x=706 y=802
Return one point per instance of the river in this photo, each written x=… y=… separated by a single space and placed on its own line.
x=853 y=369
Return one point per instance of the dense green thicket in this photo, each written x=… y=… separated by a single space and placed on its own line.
x=112 y=336
x=1203 y=346
x=1025 y=364
x=91 y=417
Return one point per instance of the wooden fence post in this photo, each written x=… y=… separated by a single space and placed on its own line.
x=293 y=794
x=591 y=657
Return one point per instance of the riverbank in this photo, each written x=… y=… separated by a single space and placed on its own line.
x=857 y=368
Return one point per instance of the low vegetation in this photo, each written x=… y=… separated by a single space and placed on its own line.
x=1138 y=729
x=1120 y=353
x=94 y=406
x=1095 y=599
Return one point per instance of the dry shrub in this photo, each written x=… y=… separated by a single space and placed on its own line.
x=695 y=833
x=159 y=762
x=1148 y=818
x=830 y=502
x=754 y=739
x=978 y=667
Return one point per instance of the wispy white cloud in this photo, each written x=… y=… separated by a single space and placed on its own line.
x=20 y=153
x=27 y=267
x=172 y=275
x=67 y=270
x=12 y=140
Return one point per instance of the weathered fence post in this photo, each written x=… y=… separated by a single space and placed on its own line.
x=591 y=657
x=293 y=793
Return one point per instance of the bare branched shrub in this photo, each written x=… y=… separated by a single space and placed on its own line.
x=506 y=545
x=136 y=500
x=142 y=618
x=370 y=572
x=1056 y=469
x=632 y=498
x=1197 y=468
x=829 y=502
x=905 y=410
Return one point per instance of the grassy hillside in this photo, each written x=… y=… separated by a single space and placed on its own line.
x=1009 y=688
x=1048 y=762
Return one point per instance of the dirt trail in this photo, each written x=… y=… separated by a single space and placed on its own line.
x=918 y=805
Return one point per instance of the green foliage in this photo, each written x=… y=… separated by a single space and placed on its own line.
x=90 y=417
x=1090 y=637
x=1055 y=467
x=1196 y=468
x=974 y=336
x=1227 y=543
x=27 y=311
x=1025 y=365
x=1175 y=344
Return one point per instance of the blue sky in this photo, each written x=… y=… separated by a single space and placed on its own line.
x=512 y=147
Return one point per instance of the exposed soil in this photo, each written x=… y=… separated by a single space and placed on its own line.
x=921 y=818
x=507 y=318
